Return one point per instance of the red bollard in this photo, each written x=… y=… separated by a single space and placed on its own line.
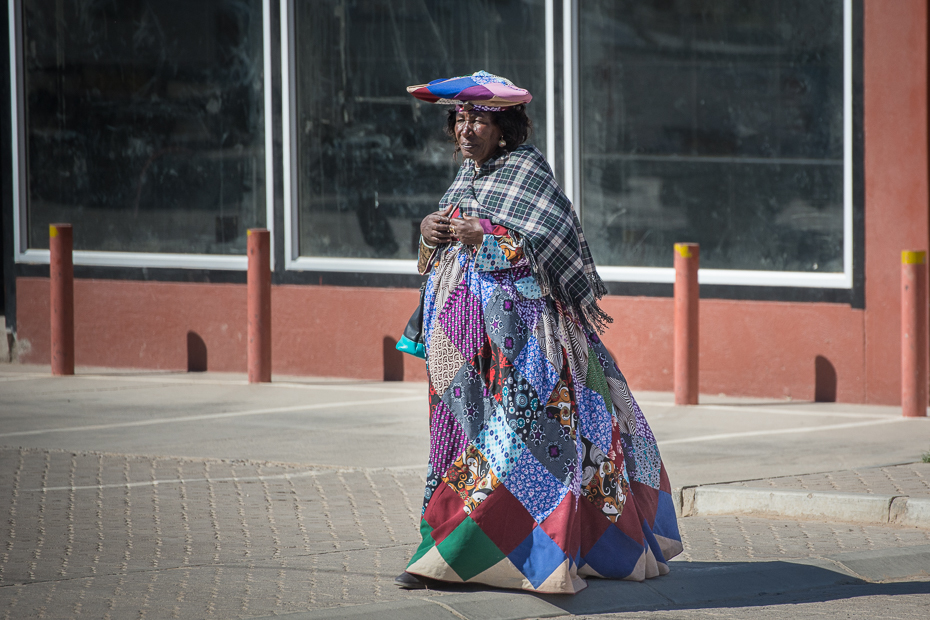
x=687 y=260
x=913 y=334
x=259 y=308
x=61 y=274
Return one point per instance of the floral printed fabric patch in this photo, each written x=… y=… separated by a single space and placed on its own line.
x=469 y=400
x=552 y=440
x=643 y=460
x=596 y=420
x=602 y=481
x=504 y=325
x=535 y=487
x=500 y=445
x=471 y=477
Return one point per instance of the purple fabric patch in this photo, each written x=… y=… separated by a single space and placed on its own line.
x=594 y=417
x=642 y=427
x=529 y=310
x=537 y=489
x=447 y=439
x=505 y=281
x=478 y=92
x=461 y=319
x=536 y=368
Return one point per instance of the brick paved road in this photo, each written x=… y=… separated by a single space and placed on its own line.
x=117 y=536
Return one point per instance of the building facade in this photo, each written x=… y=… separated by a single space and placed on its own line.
x=788 y=138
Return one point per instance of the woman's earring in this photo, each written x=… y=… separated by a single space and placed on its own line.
x=502 y=143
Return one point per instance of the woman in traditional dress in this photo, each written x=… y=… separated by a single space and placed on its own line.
x=542 y=468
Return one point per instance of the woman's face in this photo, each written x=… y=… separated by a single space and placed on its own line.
x=477 y=134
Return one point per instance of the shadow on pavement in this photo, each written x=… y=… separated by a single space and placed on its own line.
x=725 y=584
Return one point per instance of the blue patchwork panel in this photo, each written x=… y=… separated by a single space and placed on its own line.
x=490 y=256
x=528 y=288
x=482 y=285
x=537 y=489
x=533 y=365
x=615 y=554
x=551 y=442
x=666 y=523
x=595 y=420
x=429 y=307
x=537 y=557
x=653 y=543
x=500 y=445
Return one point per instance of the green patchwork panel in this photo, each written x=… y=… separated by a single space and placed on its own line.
x=426 y=544
x=469 y=551
x=596 y=379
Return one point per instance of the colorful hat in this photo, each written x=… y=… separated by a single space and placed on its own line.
x=480 y=90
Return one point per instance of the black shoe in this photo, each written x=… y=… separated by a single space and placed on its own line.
x=407 y=581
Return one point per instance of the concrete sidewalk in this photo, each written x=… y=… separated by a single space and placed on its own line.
x=158 y=495
x=897 y=494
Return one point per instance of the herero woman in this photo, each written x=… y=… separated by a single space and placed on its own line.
x=542 y=468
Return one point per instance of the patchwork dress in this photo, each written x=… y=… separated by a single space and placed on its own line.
x=542 y=468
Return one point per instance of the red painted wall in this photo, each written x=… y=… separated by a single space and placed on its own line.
x=322 y=331
x=749 y=348
x=896 y=209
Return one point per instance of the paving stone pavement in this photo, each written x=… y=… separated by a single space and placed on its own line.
x=102 y=535
x=911 y=479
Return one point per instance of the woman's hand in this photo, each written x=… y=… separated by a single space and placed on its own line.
x=468 y=230
x=436 y=228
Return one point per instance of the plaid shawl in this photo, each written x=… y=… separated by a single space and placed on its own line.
x=517 y=190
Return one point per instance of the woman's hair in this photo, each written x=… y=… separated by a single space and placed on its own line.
x=513 y=122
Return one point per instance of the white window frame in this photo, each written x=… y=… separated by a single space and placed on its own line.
x=292 y=259
x=738 y=277
x=571 y=176
x=22 y=254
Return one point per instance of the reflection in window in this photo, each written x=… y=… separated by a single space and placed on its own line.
x=145 y=123
x=373 y=161
x=714 y=122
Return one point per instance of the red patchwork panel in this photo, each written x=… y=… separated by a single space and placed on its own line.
x=564 y=525
x=504 y=519
x=664 y=484
x=593 y=525
x=647 y=501
x=444 y=512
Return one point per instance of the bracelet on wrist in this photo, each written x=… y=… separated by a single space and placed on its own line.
x=426 y=245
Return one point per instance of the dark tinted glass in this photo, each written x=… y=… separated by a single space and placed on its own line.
x=145 y=123
x=373 y=161
x=713 y=121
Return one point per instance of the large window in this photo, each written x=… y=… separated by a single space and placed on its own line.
x=149 y=125
x=372 y=161
x=717 y=122
x=144 y=123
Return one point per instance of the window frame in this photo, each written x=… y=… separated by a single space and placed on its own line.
x=735 y=277
x=293 y=261
x=571 y=174
x=23 y=254
x=562 y=148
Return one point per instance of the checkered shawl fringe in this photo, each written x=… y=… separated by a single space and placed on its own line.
x=517 y=190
